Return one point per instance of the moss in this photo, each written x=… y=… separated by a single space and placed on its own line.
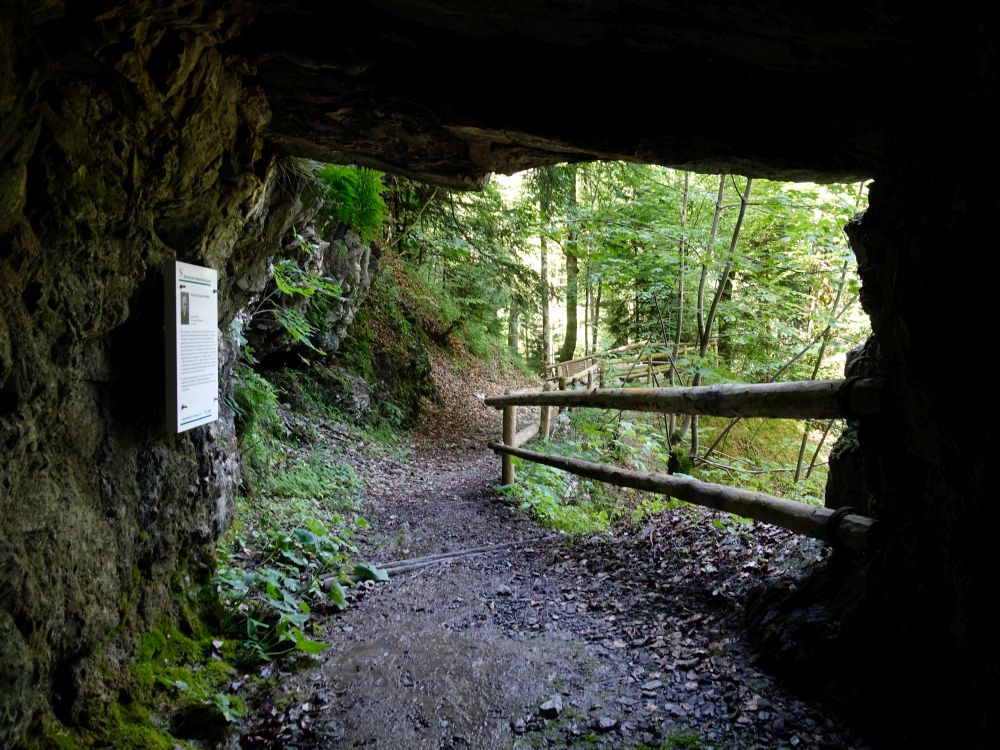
x=387 y=344
x=123 y=727
x=177 y=671
x=170 y=664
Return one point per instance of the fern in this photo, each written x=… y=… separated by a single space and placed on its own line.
x=353 y=196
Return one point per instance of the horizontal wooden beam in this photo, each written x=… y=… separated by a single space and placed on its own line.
x=643 y=372
x=598 y=354
x=582 y=375
x=808 y=399
x=851 y=530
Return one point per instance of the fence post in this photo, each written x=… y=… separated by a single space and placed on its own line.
x=509 y=431
x=545 y=418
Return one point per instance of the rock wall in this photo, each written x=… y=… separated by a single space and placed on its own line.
x=904 y=633
x=341 y=257
x=127 y=138
x=928 y=459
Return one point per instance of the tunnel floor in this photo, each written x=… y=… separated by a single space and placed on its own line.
x=637 y=635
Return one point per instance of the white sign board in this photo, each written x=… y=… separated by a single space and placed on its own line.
x=192 y=357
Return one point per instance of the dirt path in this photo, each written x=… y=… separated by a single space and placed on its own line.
x=635 y=637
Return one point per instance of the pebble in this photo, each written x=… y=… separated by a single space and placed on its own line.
x=552 y=707
x=605 y=724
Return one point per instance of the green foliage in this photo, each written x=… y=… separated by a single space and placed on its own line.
x=572 y=505
x=293 y=281
x=319 y=479
x=546 y=493
x=270 y=582
x=185 y=670
x=295 y=523
x=259 y=427
x=462 y=250
x=760 y=455
x=353 y=196
x=388 y=345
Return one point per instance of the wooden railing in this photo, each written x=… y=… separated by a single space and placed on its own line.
x=629 y=363
x=853 y=398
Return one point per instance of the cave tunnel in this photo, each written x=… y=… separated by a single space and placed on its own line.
x=137 y=132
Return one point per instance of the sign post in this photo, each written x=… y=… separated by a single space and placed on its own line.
x=191 y=314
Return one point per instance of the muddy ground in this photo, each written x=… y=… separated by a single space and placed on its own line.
x=630 y=640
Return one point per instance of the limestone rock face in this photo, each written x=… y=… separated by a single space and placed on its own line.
x=845 y=484
x=128 y=137
x=17 y=675
x=343 y=258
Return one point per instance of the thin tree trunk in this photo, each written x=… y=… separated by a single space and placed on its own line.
x=513 y=337
x=717 y=297
x=819 y=447
x=572 y=277
x=681 y=247
x=546 y=324
x=819 y=362
x=596 y=315
x=692 y=421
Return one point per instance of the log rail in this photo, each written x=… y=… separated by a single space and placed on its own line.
x=827 y=399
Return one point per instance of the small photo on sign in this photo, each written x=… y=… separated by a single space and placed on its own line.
x=185 y=309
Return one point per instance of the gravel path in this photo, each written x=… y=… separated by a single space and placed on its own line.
x=626 y=641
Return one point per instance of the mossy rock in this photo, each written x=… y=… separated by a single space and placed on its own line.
x=17 y=670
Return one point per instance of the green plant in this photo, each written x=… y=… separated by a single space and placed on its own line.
x=291 y=280
x=259 y=427
x=545 y=493
x=353 y=196
x=317 y=478
x=269 y=597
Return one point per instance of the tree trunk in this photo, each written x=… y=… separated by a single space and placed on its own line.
x=692 y=421
x=572 y=275
x=513 y=333
x=544 y=288
x=596 y=316
x=679 y=328
x=706 y=334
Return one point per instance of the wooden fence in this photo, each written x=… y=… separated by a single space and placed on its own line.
x=825 y=399
x=629 y=363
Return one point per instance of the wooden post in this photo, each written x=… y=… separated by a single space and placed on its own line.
x=545 y=421
x=649 y=372
x=562 y=383
x=509 y=439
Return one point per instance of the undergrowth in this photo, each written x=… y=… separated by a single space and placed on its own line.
x=573 y=505
x=757 y=454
